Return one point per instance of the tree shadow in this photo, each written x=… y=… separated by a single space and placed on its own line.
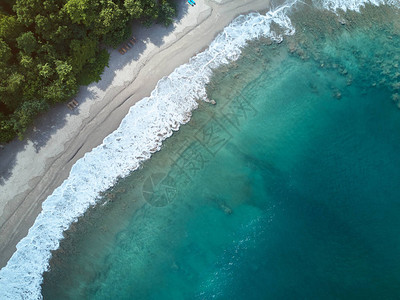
x=38 y=134
x=50 y=122
x=154 y=34
x=8 y=156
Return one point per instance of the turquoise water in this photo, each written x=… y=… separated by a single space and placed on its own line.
x=286 y=189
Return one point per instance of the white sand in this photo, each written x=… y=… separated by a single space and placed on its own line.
x=31 y=169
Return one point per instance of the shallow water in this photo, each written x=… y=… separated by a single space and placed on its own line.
x=287 y=188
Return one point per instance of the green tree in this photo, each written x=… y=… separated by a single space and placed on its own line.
x=27 y=10
x=81 y=11
x=24 y=115
x=82 y=51
x=149 y=11
x=11 y=90
x=10 y=28
x=27 y=42
x=58 y=90
x=110 y=17
x=167 y=13
x=45 y=71
x=112 y=23
x=26 y=61
x=5 y=53
x=94 y=69
x=135 y=8
x=116 y=37
x=61 y=33
x=63 y=70
x=48 y=51
x=44 y=26
x=48 y=47
x=15 y=82
x=7 y=132
x=36 y=86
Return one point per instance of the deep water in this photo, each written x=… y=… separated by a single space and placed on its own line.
x=287 y=188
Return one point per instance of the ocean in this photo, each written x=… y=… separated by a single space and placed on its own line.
x=286 y=188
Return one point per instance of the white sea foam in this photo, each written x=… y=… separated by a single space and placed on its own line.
x=141 y=132
x=355 y=5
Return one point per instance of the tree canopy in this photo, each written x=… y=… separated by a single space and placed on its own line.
x=50 y=47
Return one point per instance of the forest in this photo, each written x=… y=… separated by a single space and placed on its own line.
x=48 y=48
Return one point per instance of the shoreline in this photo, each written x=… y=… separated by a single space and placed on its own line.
x=33 y=168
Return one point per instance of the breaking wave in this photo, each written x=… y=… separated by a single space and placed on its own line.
x=335 y=5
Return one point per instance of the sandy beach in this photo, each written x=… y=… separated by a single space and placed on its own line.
x=31 y=169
